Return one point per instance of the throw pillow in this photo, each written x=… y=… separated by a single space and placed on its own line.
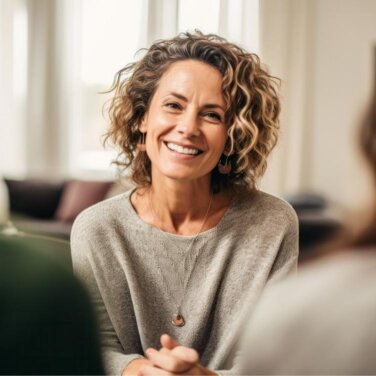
x=79 y=195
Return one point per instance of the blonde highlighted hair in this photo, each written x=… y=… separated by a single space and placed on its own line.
x=250 y=93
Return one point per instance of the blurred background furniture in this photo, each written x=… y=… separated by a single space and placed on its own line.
x=319 y=220
x=49 y=207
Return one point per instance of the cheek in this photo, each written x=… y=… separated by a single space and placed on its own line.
x=159 y=119
x=162 y=120
x=155 y=128
x=218 y=140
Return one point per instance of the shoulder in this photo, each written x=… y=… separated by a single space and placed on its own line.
x=272 y=203
x=264 y=207
x=334 y=288
x=105 y=214
x=36 y=260
x=338 y=271
x=340 y=302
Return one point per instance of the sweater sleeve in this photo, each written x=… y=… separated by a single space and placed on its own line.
x=284 y=265
x=286 y=261
x=114 y=356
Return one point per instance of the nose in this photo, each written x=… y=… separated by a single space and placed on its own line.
x=189 y=124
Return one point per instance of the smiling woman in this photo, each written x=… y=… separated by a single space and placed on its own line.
x=195 y=119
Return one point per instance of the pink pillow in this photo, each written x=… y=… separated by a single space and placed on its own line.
x=79 y=195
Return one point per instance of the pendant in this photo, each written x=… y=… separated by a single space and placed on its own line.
x=178 y=320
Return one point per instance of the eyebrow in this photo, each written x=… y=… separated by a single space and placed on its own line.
x=208 y=105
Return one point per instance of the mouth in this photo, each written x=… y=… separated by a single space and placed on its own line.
x=184 y=150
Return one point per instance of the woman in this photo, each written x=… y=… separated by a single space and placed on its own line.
x=195 y=242
x=320 y=323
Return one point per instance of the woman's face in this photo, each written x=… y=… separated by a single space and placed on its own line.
x=186 y=133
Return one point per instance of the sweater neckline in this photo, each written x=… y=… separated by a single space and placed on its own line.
x=157 y=231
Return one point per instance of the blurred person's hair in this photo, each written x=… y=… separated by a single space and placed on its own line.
x=252 y=105
x=367 y=236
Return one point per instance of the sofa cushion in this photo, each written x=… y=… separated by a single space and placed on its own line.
x=45 y=227
x=35 y=197
x=79 y=195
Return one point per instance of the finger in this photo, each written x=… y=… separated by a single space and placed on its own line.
x=168 y=342
x=152 y=371
x=164 y=350
x=167 y=361
x=185 y=353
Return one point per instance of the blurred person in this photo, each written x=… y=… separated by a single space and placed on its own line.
x=326 y=317
x=321 y=322
x=195 y=242
x=46 y=321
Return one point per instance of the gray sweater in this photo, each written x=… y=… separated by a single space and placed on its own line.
x=135 y=274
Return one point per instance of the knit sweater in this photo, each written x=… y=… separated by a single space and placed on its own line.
x=135 y=273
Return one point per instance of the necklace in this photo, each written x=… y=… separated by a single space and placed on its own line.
x=177 y=318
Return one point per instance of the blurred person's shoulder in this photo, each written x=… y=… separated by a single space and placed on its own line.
x=346 y=268
x=331 y=275
x=324 y=313
x=40 y=296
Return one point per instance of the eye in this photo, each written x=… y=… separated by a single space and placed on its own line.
x=213 y=116
x=173 y=105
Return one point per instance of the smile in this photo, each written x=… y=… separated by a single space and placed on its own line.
x=181 y=149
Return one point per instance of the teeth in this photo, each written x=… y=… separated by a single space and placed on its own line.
x=181 y=149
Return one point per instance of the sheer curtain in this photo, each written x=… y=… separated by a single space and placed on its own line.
x=13 y=86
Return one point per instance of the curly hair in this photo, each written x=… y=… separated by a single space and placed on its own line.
x=250 y=93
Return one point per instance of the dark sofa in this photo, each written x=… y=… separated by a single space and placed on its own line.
x=319 y=221
x=48 y=207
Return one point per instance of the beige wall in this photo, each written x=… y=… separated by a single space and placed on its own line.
x=345 y=39
x=323 y=50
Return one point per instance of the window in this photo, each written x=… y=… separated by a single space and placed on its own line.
x=112 y=31
x=110 y=34
x=193 y=14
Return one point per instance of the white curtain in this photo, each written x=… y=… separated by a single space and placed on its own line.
x=12 y=86
x=52 y=93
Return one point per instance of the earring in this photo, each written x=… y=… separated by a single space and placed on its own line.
x=225 y=168
x=141 y=145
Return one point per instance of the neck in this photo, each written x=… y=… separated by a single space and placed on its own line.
x=180 y=207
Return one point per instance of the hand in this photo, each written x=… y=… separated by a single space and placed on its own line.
x=173 y=359
x=134 y=366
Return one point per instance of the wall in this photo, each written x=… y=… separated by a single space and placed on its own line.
x=345 y=39
x=323 y=50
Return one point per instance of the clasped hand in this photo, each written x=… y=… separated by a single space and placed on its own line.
x=173 y=359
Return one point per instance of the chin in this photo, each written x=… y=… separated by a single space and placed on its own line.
x=180 y=173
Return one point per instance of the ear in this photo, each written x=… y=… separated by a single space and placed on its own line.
x=143 y=124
